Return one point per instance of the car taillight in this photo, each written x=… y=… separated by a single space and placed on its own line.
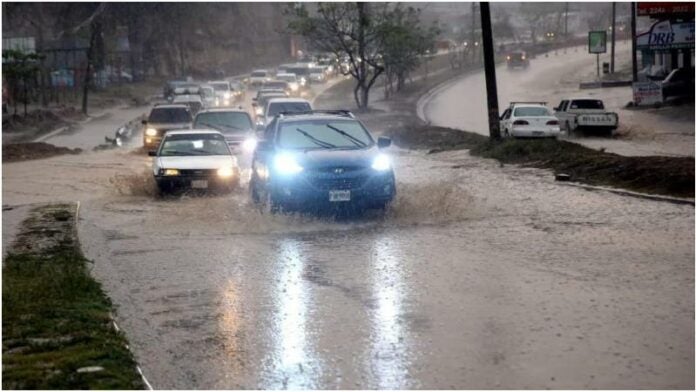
x=552 y=122
x=520 y=122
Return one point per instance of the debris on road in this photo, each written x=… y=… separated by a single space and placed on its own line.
x=25 y=151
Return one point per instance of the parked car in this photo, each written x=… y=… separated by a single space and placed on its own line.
x=196 y=159
x=258 y=77
x=517 y=58
x=679 y=83
x=585 y=114
x=162 y=119
x=234 y=124
x=529 y=119
x=321 y=159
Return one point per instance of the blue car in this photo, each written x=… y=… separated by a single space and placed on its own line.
x=318 y=160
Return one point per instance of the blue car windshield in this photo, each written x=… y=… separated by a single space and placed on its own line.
x=312 y=134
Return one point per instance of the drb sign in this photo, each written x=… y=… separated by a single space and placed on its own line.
x=665 y=35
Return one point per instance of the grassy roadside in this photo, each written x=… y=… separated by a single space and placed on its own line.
x=673 y=176
x=57 y=331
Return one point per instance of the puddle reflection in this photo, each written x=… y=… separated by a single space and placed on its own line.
x=388 y=356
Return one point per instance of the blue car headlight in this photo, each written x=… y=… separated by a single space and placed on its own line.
x=286 y=164
x=381 y=163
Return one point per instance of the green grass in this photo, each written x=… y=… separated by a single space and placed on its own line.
x=56 y=316
x=673 y=176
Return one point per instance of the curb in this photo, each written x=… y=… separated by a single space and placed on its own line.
x=639 y=195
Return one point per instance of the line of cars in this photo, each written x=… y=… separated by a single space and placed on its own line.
x=300 y=159
x=536 y=120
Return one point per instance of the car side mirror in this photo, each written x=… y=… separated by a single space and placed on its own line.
x=383 y=142
x=152 y=153
x=144 y=122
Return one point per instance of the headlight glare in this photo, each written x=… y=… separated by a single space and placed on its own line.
x=171 y=172
x=286 y=164
x=381 y=163
x=151 y=132
x=249 y=144
x=225 y=172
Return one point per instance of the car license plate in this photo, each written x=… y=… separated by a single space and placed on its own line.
x=199 y=184
x=537 y=133
x=339 y=196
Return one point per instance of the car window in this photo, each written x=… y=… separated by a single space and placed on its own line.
x=225 y=122
x=311 y=134
x=531 y=111
x=587 y=104
x=194 y=145
x=506 y=114
x=169 y=115
x=258 y=74
x=278 y=107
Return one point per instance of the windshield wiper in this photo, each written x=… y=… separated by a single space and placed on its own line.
x=210 y=125
x=316 y=141
x=350 y=137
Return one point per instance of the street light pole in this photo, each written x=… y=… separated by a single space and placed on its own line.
x=489 y=67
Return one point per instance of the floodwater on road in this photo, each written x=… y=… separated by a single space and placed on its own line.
x=480 y=276
x=553 y=77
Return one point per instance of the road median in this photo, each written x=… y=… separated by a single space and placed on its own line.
x=57 y=326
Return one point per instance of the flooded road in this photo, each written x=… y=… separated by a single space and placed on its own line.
x=480 y=276
x=667 y=131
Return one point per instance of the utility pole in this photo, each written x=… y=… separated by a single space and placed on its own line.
x=489 y=67
x=613 y=33
x=565 y=31
x=634 y=59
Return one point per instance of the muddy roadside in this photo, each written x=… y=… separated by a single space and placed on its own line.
x=397 y=118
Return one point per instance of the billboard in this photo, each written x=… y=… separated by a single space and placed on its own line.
x=597 y=41
x=665 y=35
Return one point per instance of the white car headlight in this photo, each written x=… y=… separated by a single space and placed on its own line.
x=285 y=163
x=381 y=163
x=294 y=86
x=259 y=110
x=151 y=132
x=249 y=144
x=227 y=95
x=225 y=172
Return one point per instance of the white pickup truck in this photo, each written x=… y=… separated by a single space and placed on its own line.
x=586 y=114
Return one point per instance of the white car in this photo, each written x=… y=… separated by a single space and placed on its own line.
x=529 y=119
x=208 y=97
x=193 y=101
x=274 y=106
x=194 y=159
x=586 y=114
x=292 y=80
x=259 y=76
x=224 y=96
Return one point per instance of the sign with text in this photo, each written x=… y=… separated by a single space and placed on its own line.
x=664 y=9
x=647 y=93
x=665 y=35
x=597 y=41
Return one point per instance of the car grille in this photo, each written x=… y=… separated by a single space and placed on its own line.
x=344 y=183
x=197 y=172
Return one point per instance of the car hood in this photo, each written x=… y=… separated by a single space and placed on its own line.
x=194 y=162
x=337 y=158
x=169 y=126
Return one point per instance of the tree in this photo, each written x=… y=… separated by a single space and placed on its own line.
x=20 y=69
x=352 y=30
x=405 y=42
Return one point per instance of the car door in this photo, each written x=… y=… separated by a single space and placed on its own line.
x=505 y=119
x=560 y=113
